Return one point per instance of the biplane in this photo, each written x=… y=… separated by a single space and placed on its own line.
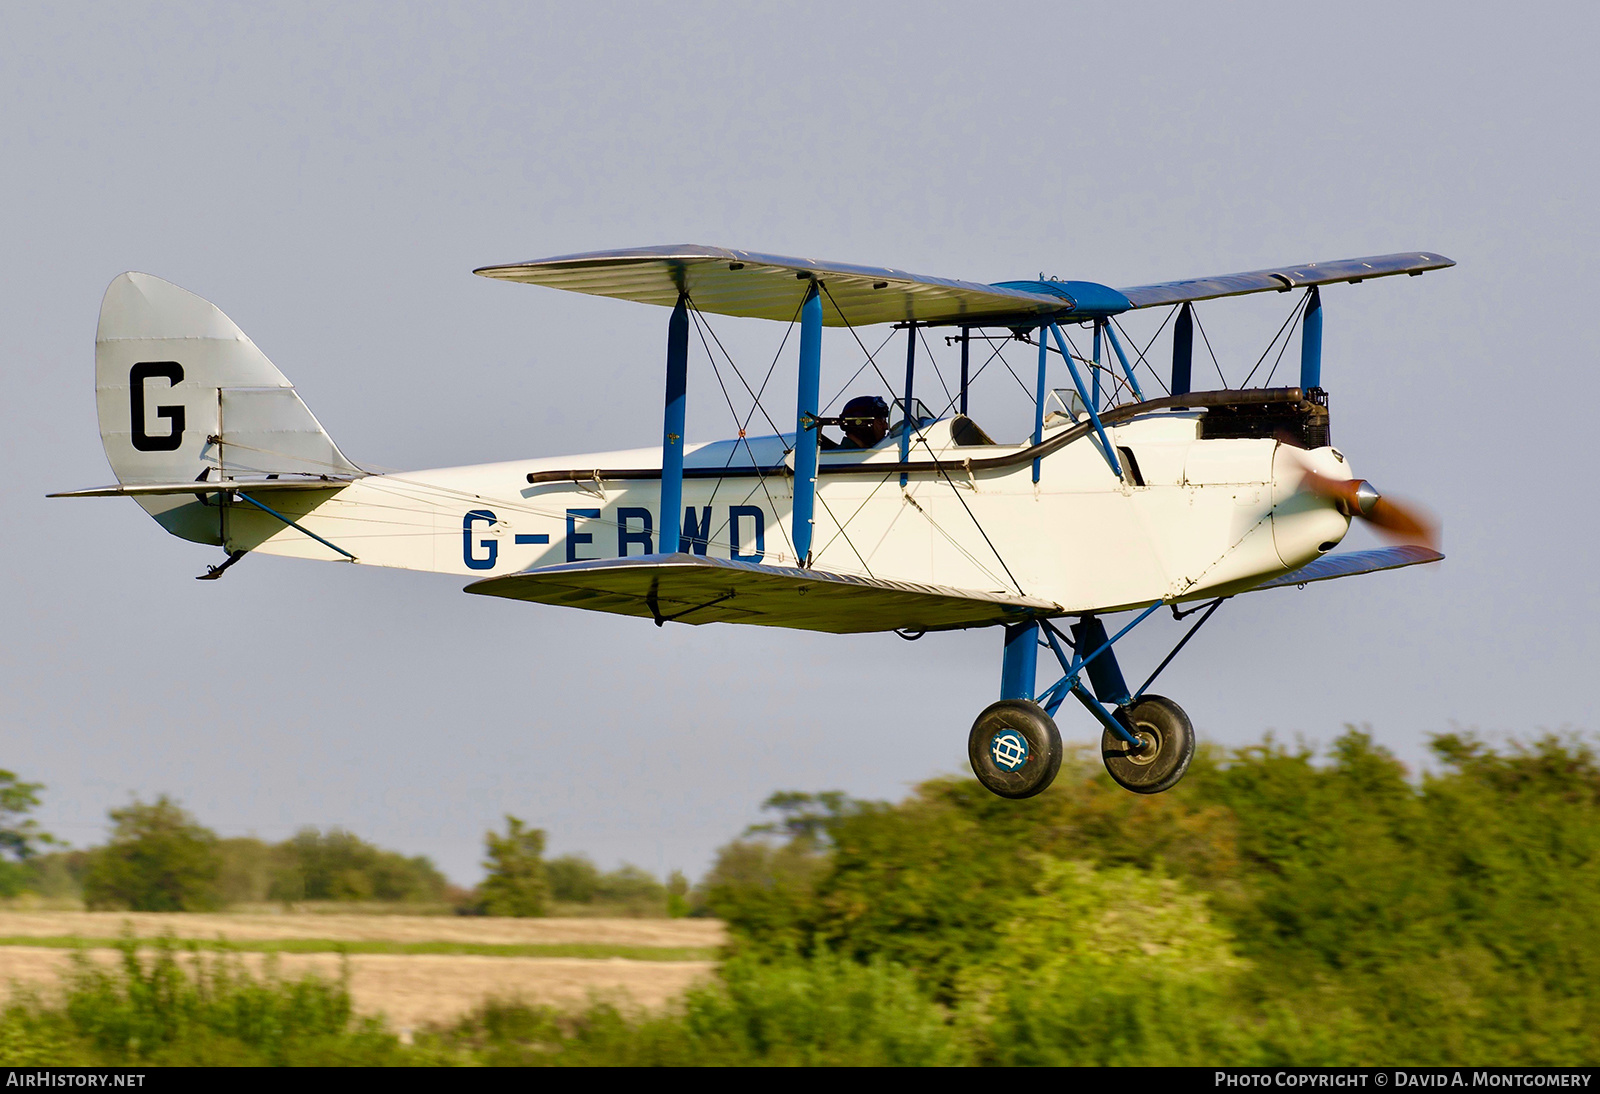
x=1127 y=496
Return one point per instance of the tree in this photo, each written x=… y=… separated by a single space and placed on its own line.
x=159 y=859
x=811 y=818
x=516 y=883
x=20 y=835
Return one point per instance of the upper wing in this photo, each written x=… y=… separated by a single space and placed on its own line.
x=763 y=286
x=696 y=589
x=1351 y=563
x=1285 y=278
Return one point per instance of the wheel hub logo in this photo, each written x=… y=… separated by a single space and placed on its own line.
x=1009 y=749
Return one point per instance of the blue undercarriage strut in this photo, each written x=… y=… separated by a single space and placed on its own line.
x=1094 y=653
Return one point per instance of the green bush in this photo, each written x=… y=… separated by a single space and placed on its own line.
x=1105 y=966
x=160 y=1006
x=827 y=1011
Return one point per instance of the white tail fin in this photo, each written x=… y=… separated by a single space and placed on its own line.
x=183 y=394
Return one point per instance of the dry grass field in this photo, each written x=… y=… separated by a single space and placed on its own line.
x=411 y=988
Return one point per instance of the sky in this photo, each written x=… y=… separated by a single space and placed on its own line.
x=330 y=174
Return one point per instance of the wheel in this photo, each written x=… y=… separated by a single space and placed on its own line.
x=1014 y=748
x=1168 y=747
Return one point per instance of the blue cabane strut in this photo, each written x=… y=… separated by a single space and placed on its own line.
x=1094 y=416
x=1127 y=369
x=1095 y=372
x=1038 y=401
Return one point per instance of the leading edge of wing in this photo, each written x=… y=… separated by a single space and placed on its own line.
x=762 y=286
x=1285 y=278
x=697 y=589
x=1351 y=563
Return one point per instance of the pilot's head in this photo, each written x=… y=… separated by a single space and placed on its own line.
x=866 y=420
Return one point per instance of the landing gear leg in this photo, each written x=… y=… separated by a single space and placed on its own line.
x=1148 y=741
x=1014 y=746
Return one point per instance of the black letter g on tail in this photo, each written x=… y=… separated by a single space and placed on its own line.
x=144 y=370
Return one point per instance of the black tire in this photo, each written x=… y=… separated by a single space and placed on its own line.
x=1015 y=748
x=1169 y=746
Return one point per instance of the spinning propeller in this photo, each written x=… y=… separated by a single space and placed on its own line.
x=1396 y=520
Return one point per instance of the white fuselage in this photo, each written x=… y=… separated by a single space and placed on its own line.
x=1210 y=516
